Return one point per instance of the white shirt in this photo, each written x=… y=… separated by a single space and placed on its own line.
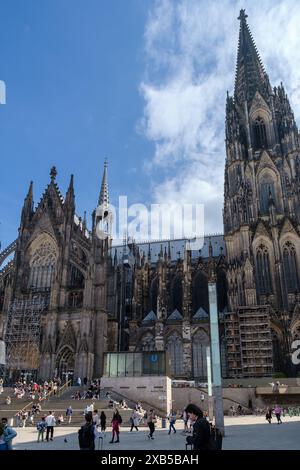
x=50 y=420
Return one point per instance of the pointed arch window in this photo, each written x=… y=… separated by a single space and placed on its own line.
x=42 y=267
x=260 y=135
x=200 y=343
x=290 y=268
x=263 y=270
x=200 y=292
x=266 y=188
x=154 y=294
x=177 y=293
x=175 y=349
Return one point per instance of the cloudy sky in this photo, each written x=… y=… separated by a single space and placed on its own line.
x=142 y=83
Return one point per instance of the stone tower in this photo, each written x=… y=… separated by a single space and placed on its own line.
x=261 y=211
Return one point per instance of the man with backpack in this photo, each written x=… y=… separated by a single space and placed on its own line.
x=41 y=427
x=86 y=434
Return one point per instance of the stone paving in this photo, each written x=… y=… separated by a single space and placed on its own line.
x=242 y=433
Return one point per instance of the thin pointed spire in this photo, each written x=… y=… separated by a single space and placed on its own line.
x=70 y=197
x=84 y=224
x=28 y=203
x=29 y=196
x=250 y=72
x=104 y=196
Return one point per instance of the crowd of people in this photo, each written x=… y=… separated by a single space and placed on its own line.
x=32 y=390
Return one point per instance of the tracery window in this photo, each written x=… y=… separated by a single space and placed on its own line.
x=177 y=293
x=174 y=347
x=200 y=292
x=263 y=270
x=42 y=266
x=260 y=135
x=265 y=189
x=200 y=342
x=290 y=267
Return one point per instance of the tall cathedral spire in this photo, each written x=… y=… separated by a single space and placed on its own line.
x=28 y=204
x=250 y=73
x=70 y=197
x=103 y=196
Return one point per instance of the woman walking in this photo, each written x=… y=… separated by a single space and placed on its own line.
x=278 y=412
x=103 y=421
x=269 y=415
x=135 y=420
x=151 y=420
x=116 y=421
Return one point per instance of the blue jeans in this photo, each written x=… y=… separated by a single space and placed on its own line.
x=172 y=427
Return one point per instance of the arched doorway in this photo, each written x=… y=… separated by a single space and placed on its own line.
x=65 y=364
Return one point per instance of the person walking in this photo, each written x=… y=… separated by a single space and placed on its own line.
x=151 y=420
x=172 y=421
x=103 y=421
x=278 y=412
x=269 y=415
x=185 y=422
x=96 y=418
x=86 y=434
x=135 y=420
x=69 y=413
x=116 y=421
x=41 y=427
x=201 y=430
x=50 y=423
x=8 y=433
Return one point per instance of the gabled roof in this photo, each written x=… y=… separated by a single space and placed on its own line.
x=175 y=315
x=149 y=317
x=200 y=314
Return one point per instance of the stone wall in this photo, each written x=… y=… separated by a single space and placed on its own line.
x=155 y=391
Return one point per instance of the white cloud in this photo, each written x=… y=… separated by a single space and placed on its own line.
x=191 y=50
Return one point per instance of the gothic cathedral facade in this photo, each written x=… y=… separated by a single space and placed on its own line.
x=71 y=295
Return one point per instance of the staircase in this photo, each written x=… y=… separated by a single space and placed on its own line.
x=59 y=403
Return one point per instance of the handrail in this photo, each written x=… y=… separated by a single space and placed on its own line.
x=226 y=398
x=61 y=390
x=143 y=402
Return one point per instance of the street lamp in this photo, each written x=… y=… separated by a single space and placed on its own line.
x=216 y=359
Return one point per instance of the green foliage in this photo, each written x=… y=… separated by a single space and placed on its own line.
x=279 y=375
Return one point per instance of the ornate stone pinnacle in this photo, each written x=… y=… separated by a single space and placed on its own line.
x=53 y=173
x=243 y=15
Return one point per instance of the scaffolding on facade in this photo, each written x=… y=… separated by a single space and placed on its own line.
x=249 y=342
x=22 y=334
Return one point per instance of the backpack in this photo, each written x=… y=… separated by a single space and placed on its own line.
x=40 y=426
x=120 y=419
x=84 y=436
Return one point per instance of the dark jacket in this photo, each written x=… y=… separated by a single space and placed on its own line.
x=201 y=435
x=86 y=437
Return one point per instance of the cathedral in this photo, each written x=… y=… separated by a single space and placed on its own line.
x=68 y=296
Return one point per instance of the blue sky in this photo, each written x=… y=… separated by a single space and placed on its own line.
x=141 y=82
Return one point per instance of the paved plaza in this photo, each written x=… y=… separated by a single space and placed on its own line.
x=242 y=433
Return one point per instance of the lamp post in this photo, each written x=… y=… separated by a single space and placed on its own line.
x=209 y=383
x=216 y=359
